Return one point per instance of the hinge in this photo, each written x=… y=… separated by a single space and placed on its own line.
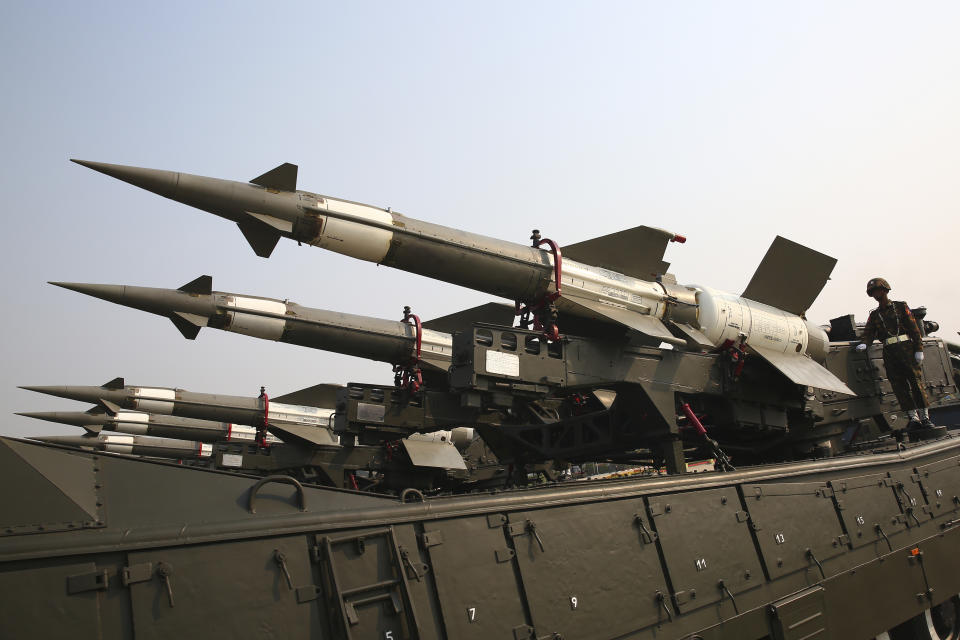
x=683 y=596
x=742 y=516
x=505 y=555
x=495 y=520
x=889 y=482
x=309 y=593
x=142 y=572
x=517 y=528
x=430 y=539
x=655 y=509
x=523 y=632
x=93 y=581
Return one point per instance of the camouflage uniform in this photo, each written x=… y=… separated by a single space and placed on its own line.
x=903 y=370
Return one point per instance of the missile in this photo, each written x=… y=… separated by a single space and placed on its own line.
x=300 y=422
x=98 y=419
x=135 y=445
x=196 y=305
x=614 y=283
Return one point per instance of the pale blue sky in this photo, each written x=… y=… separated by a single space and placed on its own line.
x=834 y=124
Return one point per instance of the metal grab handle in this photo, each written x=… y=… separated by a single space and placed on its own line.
x=880 y=532
x=301 y=496
x=532 y=528
x=819 y=566
x=281 y=559
x=165 y=571
x=663 y=603
x=723 y=587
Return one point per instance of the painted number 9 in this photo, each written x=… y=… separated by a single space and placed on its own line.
x=574 y=602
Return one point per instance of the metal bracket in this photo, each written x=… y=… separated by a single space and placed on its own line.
x=495 y=520
x=309 y=593
x=142 y=572
x=523 y=632
x=647 y=535
x=430 y=539
x=655 y=509
x=743 y=516
x=505 y=555
x=94 y=581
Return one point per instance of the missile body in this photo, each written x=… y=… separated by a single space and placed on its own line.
x=151 y=424
x=270 y=207
x=135 y=445
x=253 y=412
x=195 y=305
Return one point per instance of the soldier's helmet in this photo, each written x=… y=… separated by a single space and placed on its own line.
x=877 y=283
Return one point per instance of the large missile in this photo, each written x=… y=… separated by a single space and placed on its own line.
x=196 y=305
x=599 y=285
x=306 y=423
x=150 y=424
x=135 y=445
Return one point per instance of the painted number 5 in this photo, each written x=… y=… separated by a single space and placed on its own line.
x=388 y=635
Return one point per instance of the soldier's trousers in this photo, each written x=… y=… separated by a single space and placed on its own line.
x=905 y=375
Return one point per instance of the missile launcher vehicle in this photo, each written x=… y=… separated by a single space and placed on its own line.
x=821 y=518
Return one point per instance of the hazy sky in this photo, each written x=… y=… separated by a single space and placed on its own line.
x=832 y=123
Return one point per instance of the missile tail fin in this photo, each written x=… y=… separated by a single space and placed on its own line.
x=790 y=276
x=188 y=324
x=802 y=370
x=491 y=312
x=283 y=226
x=304 y=435
x=262 y=238
x=645 y=324
x=636 y=252
x=93 y=429
x=116 y=383
x=319 y=395
x=111 y=408
x=282 y=178
x=202 y=286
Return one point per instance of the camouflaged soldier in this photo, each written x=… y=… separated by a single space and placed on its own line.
x=893 y=324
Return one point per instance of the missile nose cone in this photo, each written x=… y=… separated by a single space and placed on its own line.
x=50 y=391
x=161 y=182
x=108 y=292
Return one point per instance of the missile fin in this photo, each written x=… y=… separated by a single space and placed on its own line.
x=304 y=434
x=437 y=455
x=790 y=276
x=645 y=324
x=491 y=312
x=188 y=324
x=116 y=383
x=283 y=226
x=262 y=238
x=319 y=395
x=111 y=408
x=695 y=335
x=96 y=410
x=282 y=178
x=802 y=370
x=93 y=429
x=202 y=286
x=636 y=252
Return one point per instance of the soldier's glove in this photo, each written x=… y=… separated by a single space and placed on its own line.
x=861 y=347
x=919 y=356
